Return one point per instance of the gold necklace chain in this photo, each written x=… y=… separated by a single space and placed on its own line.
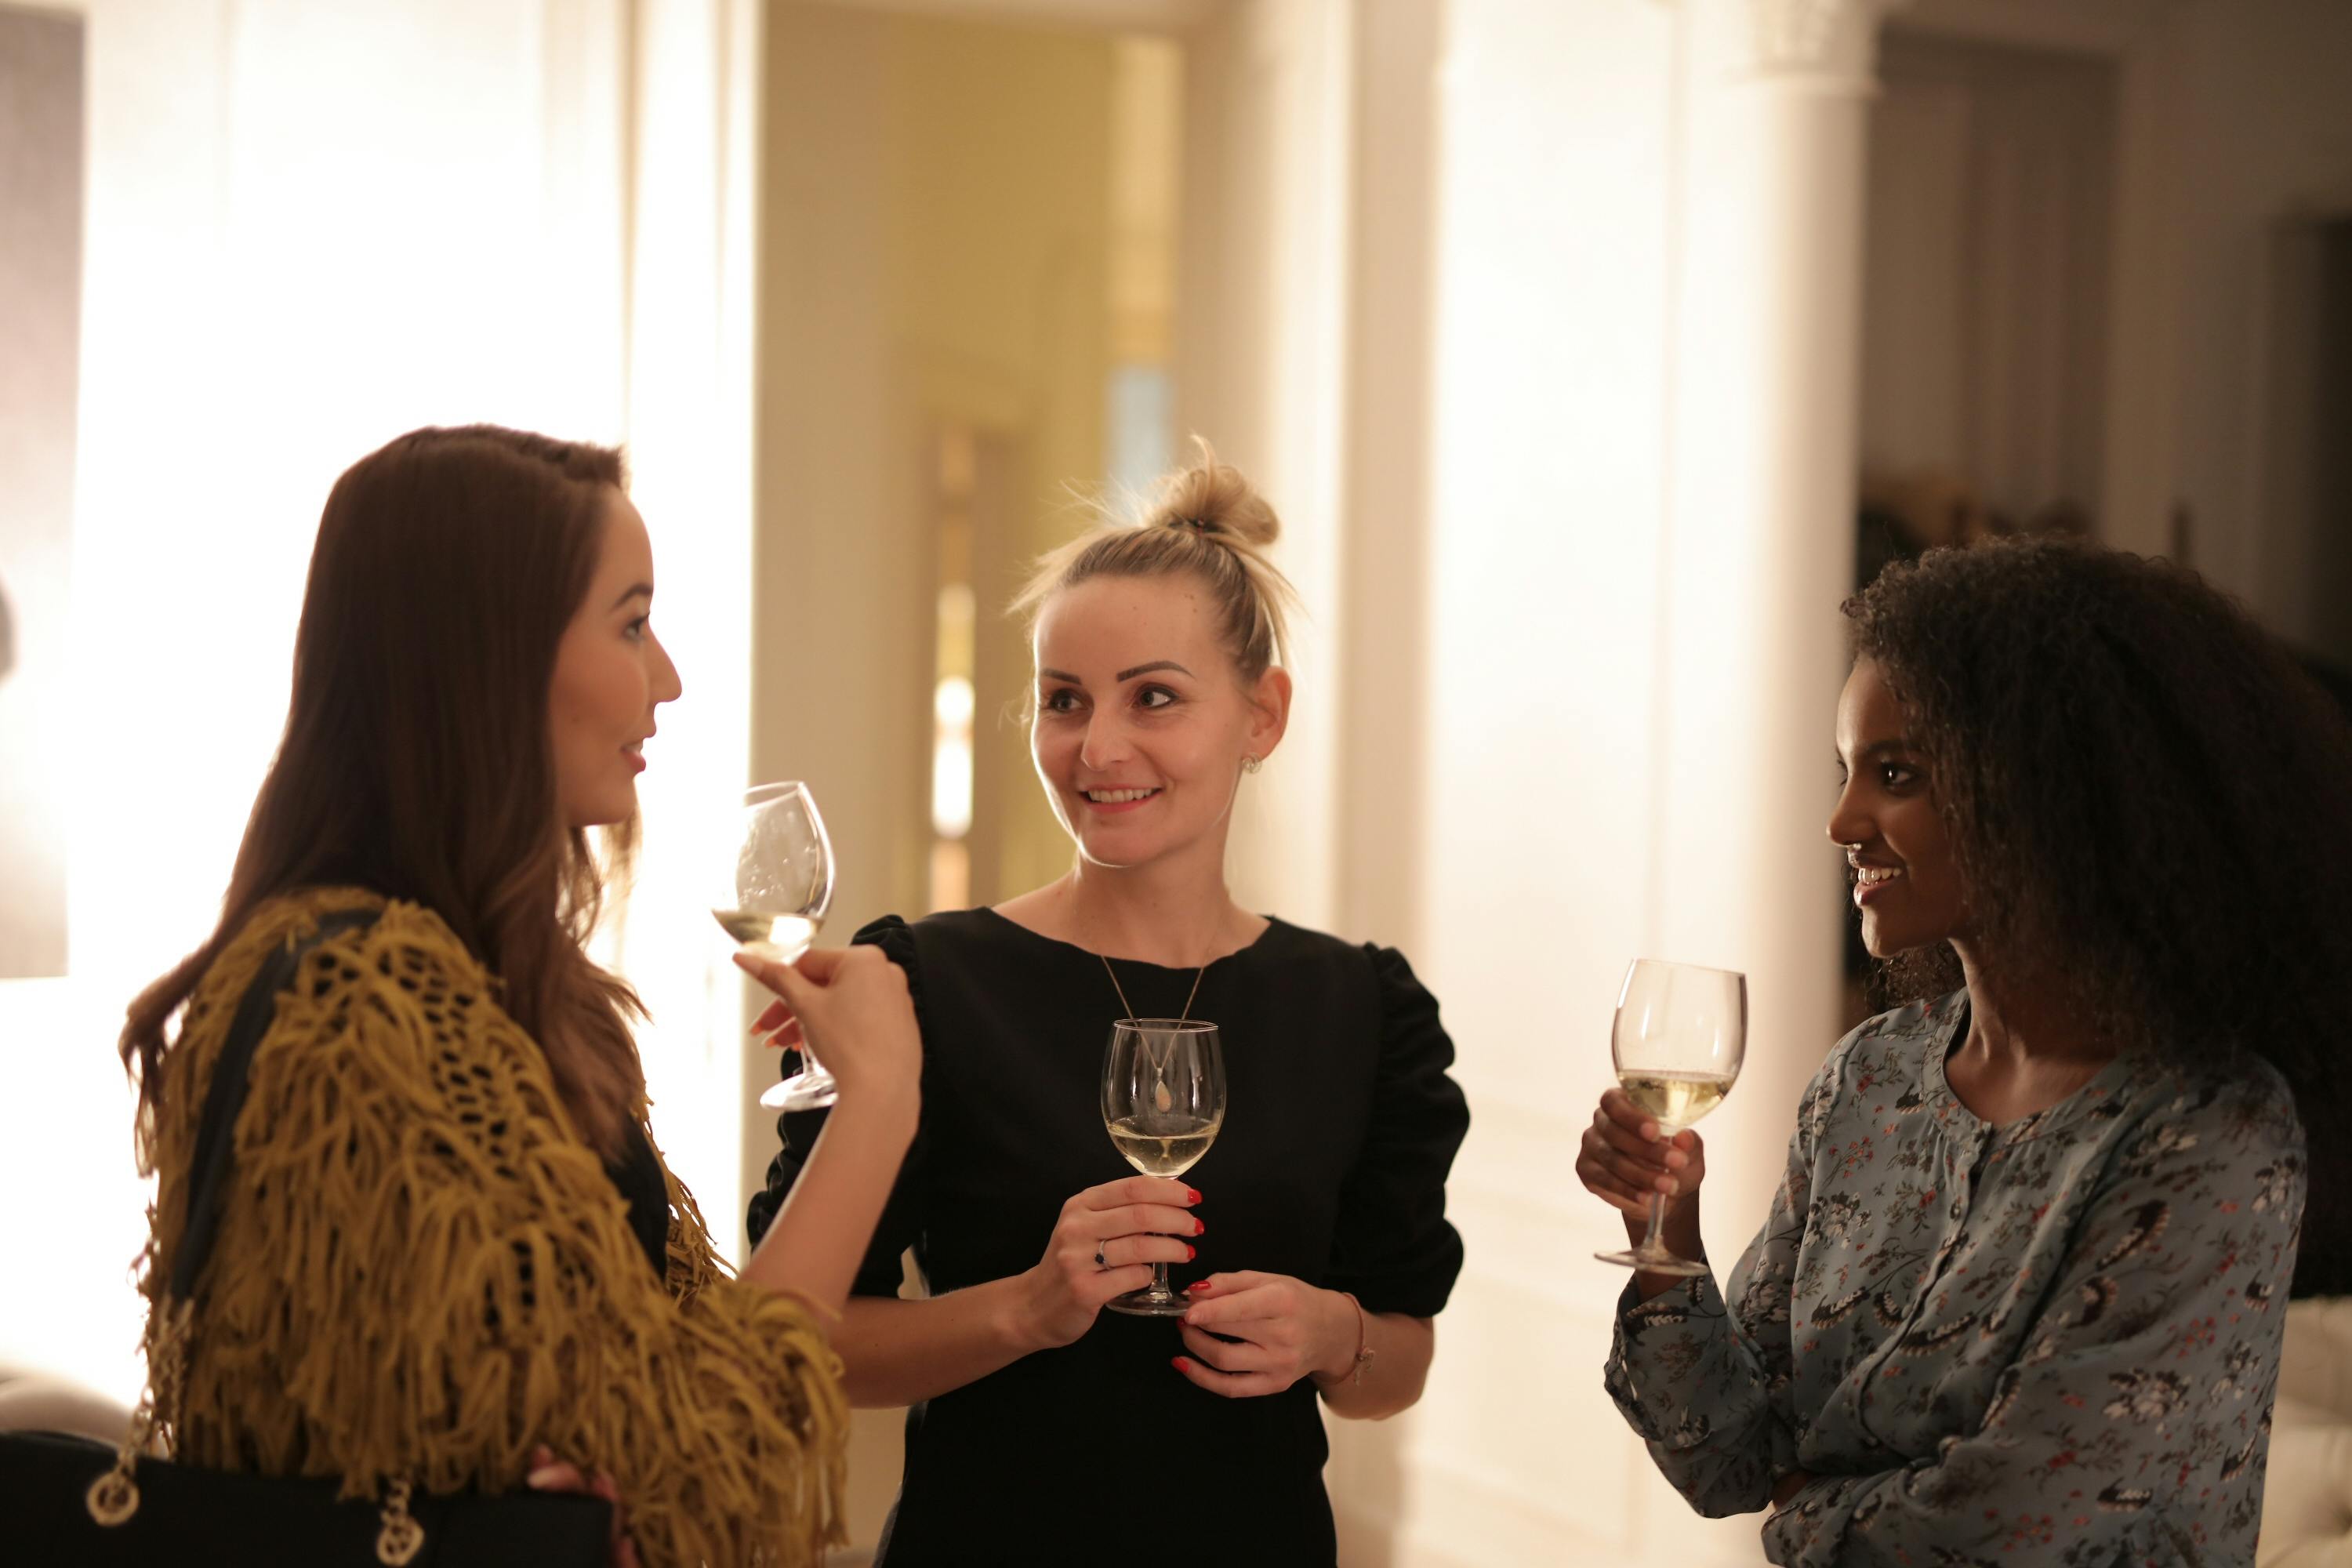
x=1129 y=1006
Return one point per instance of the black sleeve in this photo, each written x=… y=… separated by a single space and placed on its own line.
x=1395 y=1248
x=797 y=1132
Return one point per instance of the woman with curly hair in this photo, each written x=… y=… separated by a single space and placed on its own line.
x=2021 y=1293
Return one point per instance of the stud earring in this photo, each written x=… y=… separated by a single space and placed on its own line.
x=1252 y=764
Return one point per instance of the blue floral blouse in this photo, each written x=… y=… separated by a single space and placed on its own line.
x=2054 y=1342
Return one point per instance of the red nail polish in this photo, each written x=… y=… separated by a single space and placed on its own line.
x=1198 y=1227
x=1178 y=1364
x=1196 y=1286
x=1192 y=1195
x=1189 y=1253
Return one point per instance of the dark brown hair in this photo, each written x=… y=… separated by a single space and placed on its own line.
x=2150 y=807
x=417 y=760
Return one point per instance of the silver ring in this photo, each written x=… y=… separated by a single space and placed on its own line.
x=1101 y=1262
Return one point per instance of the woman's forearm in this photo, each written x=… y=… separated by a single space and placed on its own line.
x=895 y=1352
x=819 y=1238
x=1402 y=1348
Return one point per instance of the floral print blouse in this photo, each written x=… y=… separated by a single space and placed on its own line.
x=2053 y=1341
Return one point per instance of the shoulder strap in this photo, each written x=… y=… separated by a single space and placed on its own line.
x=216 y=1134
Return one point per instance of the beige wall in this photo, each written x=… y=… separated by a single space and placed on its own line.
x=1990 y=205
x=2267 y=136
x=2232 y=122
x=935 y=234
x=41 y=115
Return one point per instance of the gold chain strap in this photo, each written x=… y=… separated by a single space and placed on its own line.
x=401 y=1538
x=115 y=1495
x=113 y=1498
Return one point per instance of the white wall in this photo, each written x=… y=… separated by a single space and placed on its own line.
x=1262 y=358
x=1599 y=522
x=1548 y=503
x=1530 y=567
x=309 y=228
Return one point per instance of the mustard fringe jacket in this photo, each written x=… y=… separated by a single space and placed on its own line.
x=423 y=1271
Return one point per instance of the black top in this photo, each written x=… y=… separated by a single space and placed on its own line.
x=638 y=1176
x=1339 y=1128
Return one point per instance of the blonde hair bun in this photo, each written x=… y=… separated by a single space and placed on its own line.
x=1206 y=522
x=1213 y=498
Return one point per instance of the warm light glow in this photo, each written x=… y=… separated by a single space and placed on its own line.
x=295 y=250
x=951 y=758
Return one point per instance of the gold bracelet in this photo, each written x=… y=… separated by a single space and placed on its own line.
x=1363 y=1345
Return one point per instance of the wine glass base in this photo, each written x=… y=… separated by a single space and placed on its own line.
x=1661 y=1263
x=803 y=1092
x=1144 y=1304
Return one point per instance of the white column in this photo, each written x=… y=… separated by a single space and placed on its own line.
x=692 y=151
x=1261 y=370
x=1760 y=544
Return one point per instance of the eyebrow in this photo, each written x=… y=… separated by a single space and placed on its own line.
x=1880 y=749
x=637 y=591
x=1045 y=672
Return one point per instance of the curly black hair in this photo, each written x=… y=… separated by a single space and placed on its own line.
x=2150 y=807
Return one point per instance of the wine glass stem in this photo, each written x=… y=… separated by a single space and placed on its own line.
x=1655 y=1243
x=1159 y=1291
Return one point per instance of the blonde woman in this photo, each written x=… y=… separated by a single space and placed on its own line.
x=1312 y=1237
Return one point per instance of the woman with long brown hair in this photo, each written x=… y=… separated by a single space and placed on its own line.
x=451 y=1257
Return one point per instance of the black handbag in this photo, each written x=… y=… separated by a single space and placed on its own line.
x=71 y=1500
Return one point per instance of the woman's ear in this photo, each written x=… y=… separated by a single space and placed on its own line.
x=1269 y=712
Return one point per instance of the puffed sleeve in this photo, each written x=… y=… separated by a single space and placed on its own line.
x=1395 y=1248
x=796 y=1133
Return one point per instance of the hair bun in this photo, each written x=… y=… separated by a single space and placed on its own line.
x=1213 y=498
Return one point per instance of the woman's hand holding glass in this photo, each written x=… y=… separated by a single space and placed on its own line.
x=1252 y=1333
x=1131 y=1224
x=852 y=1005
x=1626 y=1157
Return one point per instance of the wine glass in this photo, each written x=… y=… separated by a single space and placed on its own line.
x=1680 y=1034
x=1163 y=1098
x=775 y=903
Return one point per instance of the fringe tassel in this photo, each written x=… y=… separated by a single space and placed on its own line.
x=423 y=1271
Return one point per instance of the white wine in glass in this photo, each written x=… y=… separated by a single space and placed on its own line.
x=781 y=937
x=1164 y=1099
x=1680 y=1034
x=774 y=904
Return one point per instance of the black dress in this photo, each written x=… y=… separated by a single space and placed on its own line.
x=1339 y=1128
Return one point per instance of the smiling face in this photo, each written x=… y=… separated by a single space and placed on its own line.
x=611 y=673
x=1905 y=879
x=1143 y=723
